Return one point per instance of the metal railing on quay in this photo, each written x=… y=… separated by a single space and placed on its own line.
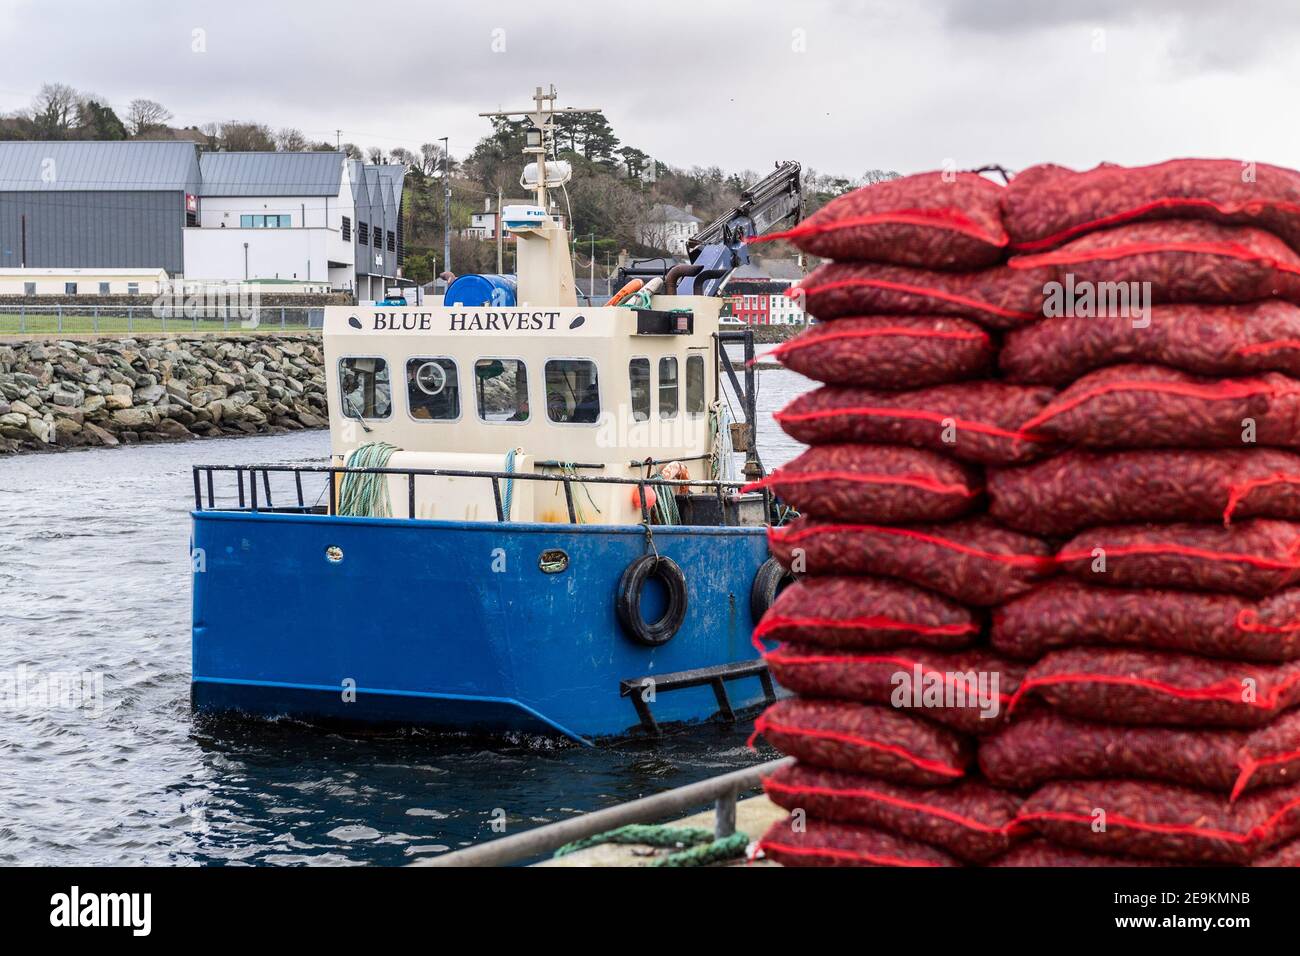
x=723 y=791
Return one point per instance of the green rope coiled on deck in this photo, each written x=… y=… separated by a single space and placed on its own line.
x=366 y=496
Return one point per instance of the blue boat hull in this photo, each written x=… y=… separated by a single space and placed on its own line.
x=454 y=624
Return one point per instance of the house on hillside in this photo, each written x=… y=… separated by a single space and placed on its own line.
x=668 y=227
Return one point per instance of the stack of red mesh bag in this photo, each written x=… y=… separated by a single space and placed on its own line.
x=1048 y=607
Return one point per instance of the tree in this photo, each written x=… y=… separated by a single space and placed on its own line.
x=352 y=151
x=375 y=156
x=634 y=161
x=290 y=140
x=145 y=115
x=404 y=156
x=53 y=110
x=598 y=140
x=241 y=137
x=95 y=121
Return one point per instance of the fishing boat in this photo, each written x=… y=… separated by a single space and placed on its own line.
x=530 y=521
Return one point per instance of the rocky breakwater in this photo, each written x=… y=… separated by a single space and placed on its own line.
x=64 y=394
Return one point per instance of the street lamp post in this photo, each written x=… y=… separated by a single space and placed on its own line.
x=446 y=208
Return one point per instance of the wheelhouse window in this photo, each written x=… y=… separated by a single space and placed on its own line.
x=638 y=373
x=695 y=384
x=432 y=389
x=668 y=388
x=572 y=391
x=502 y=388
x=364 y=388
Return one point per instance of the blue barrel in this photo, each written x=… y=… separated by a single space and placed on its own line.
x=474 y=290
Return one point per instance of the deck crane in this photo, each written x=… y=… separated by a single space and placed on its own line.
x=719 y=247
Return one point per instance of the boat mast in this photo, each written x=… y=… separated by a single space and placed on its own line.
x=542 y=137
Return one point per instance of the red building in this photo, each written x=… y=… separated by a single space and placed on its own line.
x=750 y=300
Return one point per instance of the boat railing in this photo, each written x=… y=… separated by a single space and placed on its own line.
x=249 y=498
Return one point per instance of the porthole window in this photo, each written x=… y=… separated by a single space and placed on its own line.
x=695 y=384
x=364 y=388
x=638 y=374
x=432 y=389
x=572 y=392
x=668 y=388
x=501 y=385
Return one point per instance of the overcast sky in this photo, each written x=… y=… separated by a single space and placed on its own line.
x=841 y=86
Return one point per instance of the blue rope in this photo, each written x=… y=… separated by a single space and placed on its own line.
x=510 y=483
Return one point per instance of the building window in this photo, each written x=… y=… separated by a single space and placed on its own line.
x=502 y=386
x=668 y=388
x=69 y=288
x=572 y=392
x=432 y=389
x=638 y=373
x=347 y=229
x=29 y=288
x=378 y=236
x=191 y=218
x=363 y=233
x=695 y=384
x=133 y=288
x=364 y=388
x=265 y=222
x=392 y=241
x=104 y=289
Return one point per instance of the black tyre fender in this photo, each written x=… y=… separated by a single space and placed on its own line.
x=769 y=581
x=627 y=600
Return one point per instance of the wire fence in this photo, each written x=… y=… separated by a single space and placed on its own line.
x=60 y=319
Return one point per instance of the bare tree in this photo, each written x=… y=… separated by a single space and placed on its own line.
x=352 y=151
x=246 y=137
x=375 y=155
x=404 y=156
x=430 y=158
x=143 y=115
x=290 y=140
x=54 y=108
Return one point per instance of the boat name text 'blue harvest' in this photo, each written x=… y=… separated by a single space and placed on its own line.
x=468 y=321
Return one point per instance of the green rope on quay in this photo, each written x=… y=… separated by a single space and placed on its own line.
x=701 y=848
x=719 y=851
x=366 y=496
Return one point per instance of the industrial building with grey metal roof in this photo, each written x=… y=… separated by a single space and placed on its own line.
x=205 y=216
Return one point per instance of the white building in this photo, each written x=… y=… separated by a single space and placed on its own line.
x=302 y=217
x=311 y=217
x=784 y=310
x=69 y=282
x=668 y=228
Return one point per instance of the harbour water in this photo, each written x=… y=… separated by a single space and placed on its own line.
x=94 y=580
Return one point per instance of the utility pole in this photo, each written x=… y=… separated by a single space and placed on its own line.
x=500 y=238
x=338 y=139
x=592 y=281
x=446 y=208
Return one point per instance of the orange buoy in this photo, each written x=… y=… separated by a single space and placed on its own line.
x=650 y=498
